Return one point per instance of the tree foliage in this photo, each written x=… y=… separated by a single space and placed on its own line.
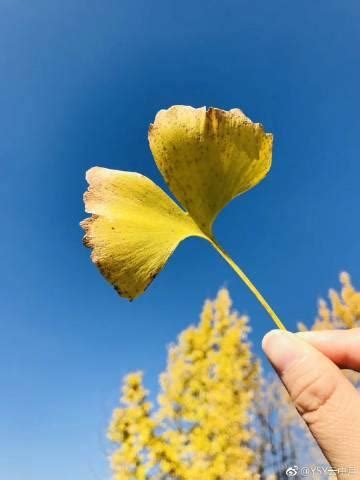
x=201 y=426
x=341 y=311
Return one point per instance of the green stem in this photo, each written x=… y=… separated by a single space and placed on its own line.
x=248 y=282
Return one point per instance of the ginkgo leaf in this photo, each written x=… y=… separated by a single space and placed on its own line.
x=134 y=228
x=208 y=157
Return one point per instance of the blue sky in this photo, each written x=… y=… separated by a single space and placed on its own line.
x=80 y=82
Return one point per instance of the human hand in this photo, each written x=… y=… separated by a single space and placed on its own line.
x=309 y=364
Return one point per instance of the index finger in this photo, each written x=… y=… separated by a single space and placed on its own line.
x=340 y=346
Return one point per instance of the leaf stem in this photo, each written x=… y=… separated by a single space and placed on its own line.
x=248 y=282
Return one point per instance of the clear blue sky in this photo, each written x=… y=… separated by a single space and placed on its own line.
x=80 y=82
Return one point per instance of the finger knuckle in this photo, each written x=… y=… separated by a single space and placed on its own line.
x=312 y=391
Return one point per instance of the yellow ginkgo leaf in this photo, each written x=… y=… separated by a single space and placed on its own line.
x=207 y=158
x=134 y=228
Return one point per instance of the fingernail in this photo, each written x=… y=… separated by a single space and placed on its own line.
x=282 y=349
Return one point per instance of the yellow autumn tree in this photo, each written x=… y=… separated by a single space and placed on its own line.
x=200 y=428
x=341 y=311
x=132 y=428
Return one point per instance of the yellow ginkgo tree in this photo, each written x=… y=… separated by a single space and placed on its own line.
x=207 y=157
x=200 y=426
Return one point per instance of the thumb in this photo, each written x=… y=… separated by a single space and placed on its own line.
x=326 y=400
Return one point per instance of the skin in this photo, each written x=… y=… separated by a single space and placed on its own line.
x=309 y=365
